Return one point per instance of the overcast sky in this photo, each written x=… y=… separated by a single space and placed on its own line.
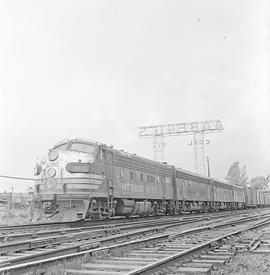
x=99 y=69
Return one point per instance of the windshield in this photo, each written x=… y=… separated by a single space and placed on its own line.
x=83 y=147
x=62 y=146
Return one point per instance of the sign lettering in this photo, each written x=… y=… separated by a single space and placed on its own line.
x=127 y=187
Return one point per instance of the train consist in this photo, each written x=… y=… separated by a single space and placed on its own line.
x=81 y=179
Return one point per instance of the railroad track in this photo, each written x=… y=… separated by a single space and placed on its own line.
x=34 y=227
x=11 y=237
x=17 y=232
x=32 y=240
x=79 y=239
x=46 y=253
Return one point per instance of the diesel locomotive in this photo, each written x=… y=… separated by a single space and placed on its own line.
x=82 y=179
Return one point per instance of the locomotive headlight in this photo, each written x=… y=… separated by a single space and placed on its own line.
x=51 y=172
x=53 y=155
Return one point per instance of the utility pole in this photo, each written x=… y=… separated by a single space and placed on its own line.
x=208 y=168
x=198 y=129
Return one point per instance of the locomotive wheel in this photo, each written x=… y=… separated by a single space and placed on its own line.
x=99 y=211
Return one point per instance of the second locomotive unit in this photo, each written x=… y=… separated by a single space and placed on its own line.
x=81 y=179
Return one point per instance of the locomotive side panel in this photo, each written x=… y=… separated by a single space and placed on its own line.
x=126 y=185
x=254 y=196
x=169 y=193
x=179 y=189
x=141 y=179
x=192 y=188
x=239 y=195
x=223 y=192
x=267 y=198
x=250 y=197
x=264 y=198
x=258 y=198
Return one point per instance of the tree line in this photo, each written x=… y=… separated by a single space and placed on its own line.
x=238 y=175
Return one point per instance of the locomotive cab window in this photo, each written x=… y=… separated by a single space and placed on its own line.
x=131 y=175
x=141 y=177
x=148 y=178
x=83 y=147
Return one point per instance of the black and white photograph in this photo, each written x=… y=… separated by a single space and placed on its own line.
x=135 y=137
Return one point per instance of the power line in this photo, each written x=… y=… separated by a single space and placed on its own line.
x=15 y=178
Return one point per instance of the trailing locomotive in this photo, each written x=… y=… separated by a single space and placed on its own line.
x=82 y=179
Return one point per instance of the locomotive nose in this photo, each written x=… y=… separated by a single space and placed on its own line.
x=50 y=184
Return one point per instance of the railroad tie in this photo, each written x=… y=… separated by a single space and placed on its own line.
x=139 y=259
x=108 y=267
x=215 y=263
x=194 y=270
x=193 y=264
x=91 y=272
x=118 y=262
x=260 y=250
x=214 y=257
x=218 y=253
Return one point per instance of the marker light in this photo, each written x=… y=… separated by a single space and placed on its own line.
x=51 y=172
x=53 y=155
